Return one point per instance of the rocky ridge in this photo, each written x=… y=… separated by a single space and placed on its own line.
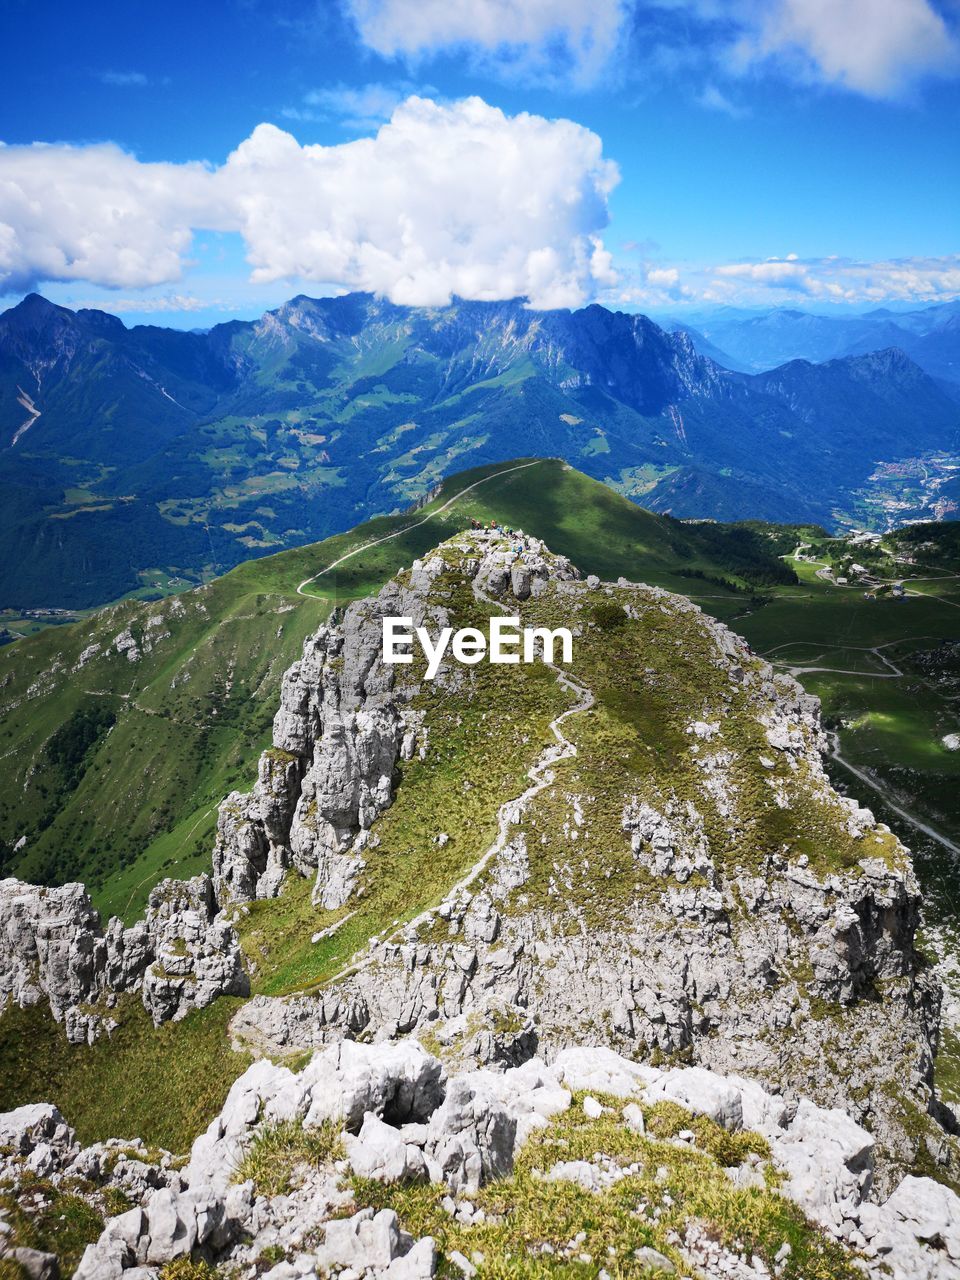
x=716 y=902
x=404 y=1123
x=339 y=733
x=799 y=967
x=181 y=956
x=345 y=722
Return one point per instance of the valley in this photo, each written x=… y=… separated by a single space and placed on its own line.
x=162 y=457
x=758 y=339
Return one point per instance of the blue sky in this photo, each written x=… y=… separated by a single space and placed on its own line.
x=649 y=155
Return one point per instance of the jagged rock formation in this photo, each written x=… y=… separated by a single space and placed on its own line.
x=53 y=946
x=344 y=723
x=407 y=1122
x=745 y=953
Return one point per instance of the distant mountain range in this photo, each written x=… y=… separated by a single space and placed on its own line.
x=128 y=456
x=754 y=341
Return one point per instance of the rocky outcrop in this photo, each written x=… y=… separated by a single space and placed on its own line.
x=196 y=953
x=329 y=775
x=499 y=988
x=54 y=948
x=344 y=723
x=406 y=1121
x=804 y=973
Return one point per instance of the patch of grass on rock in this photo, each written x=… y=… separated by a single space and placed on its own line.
x=273 y=1157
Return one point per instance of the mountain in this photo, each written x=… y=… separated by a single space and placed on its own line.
x=705 y=347
x=133 y=457
x=759 y=341
x=522 y=951
x=185 y=688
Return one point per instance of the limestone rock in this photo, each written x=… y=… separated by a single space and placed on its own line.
x=471 y=1136
x=702 y=1093
x=367 y=1239
x=380 y=1152
x=26 y=1128
x=52 y=946
x=828 y=1159
x=602 y=1070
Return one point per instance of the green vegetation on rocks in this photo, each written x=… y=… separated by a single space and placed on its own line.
x=543 y=1228
x=277 y=1152
x=47 y=1218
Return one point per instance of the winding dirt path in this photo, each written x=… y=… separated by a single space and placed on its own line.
x=834 y=739
x=542 y=775
x=375 y=542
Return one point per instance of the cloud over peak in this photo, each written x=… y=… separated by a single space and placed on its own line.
x=445 y=199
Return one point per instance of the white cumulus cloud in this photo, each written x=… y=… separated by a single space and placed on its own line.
x=96 y=213
x=456 y=198
x=445 y=199
x=530 y=36
x=877 y=48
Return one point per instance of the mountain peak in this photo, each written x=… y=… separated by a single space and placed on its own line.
x=32 y=306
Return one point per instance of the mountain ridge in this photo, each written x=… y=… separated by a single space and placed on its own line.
x=452 y=912
x=679 y=850
x=766 y=339
x=209 y=448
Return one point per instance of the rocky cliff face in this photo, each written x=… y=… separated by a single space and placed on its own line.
x=53 y=947
x=345 y=722
x=724 y=905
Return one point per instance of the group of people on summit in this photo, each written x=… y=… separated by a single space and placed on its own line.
x=495 y=527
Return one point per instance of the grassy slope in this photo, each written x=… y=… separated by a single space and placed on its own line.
x=892 y=724
x=600 y=531
x=163 y=1085
x=193 y=714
